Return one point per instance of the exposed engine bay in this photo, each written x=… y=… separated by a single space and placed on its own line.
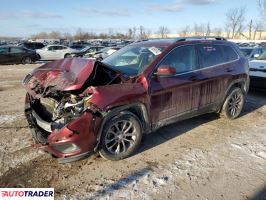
x=52 y=108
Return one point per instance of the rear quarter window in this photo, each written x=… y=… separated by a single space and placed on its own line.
x=229 y=53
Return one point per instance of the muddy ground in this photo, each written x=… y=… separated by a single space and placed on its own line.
x=206 y=157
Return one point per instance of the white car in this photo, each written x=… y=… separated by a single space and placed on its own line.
x=54 y=52
x=103 y=53
x=257 y=74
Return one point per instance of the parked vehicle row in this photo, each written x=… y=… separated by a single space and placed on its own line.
x=75 y=106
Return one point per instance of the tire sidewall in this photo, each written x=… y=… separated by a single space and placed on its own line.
x=24 y=60
x=122 y=116
x=226 y=103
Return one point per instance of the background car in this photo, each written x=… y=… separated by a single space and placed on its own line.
x=252 y=52
x=32 y=45
x=104 y=53
x=54 y=52
x=17 y=55
x=257 y=72
x=90 y=51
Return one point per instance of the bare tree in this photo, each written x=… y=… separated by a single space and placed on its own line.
x=67 y=36
x=262 y=9
x=234 y=21
x=208 y=29
x=250 y=29
x=185 y=31
x=55 y=35
x=41 y=35
x=217 y=31
x=163 y=31
x=202 y=29
x=257 y=28
x=143 y=33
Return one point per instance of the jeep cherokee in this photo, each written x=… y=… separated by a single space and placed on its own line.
x=75 y=107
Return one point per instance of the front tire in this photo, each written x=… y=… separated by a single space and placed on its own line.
x=233 y=104
x=121 y=137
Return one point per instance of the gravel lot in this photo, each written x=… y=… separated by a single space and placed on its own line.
x=206 y=157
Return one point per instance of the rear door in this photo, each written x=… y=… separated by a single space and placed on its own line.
x=217 y=63
x=178 y=94
x=58 y=52
x=4 y=55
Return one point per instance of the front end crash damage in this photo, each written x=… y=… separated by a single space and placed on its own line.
x=65 y=118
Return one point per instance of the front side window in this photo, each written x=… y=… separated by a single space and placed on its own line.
x=183 y=59
x=132 y=59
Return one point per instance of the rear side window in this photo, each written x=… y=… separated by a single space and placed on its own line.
x=16 y=50
x=29 y=45
x=58 y=47
x=51 y=48
x=183 y=59
x=210 y=55
x=39 y=45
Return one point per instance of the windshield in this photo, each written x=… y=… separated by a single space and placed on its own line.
x=246 y=52
x=132 y=60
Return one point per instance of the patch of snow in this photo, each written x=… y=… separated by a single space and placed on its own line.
x=9 y=118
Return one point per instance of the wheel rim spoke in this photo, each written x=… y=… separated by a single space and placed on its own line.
x=235 y=104
x=120 y=137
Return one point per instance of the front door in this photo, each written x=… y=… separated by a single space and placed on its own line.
x=178 y=94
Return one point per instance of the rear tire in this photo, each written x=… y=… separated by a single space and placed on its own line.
x=26 y=60
x=121 y=137
x=233 y=104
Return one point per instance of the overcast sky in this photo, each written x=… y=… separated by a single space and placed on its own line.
x=26 y=17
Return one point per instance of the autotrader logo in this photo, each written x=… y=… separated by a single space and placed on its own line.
x=27 y=193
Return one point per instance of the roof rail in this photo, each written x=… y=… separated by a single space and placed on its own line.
x=199 y=38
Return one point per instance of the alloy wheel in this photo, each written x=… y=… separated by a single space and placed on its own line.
x=120 y=137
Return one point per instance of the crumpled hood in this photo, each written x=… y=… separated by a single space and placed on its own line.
x=60 y=75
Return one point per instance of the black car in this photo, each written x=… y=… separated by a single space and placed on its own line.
x=32 y=45
x=17 y=55
x=88 y=50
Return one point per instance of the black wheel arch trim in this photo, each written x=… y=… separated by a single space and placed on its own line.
x=142 y=116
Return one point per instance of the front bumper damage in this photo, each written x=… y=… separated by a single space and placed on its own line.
x=74 y=141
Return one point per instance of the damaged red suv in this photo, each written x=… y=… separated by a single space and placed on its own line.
x=75 y=107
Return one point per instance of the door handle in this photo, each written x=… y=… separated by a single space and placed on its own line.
x=229 y=69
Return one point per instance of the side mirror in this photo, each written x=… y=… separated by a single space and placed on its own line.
x=165 y=70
